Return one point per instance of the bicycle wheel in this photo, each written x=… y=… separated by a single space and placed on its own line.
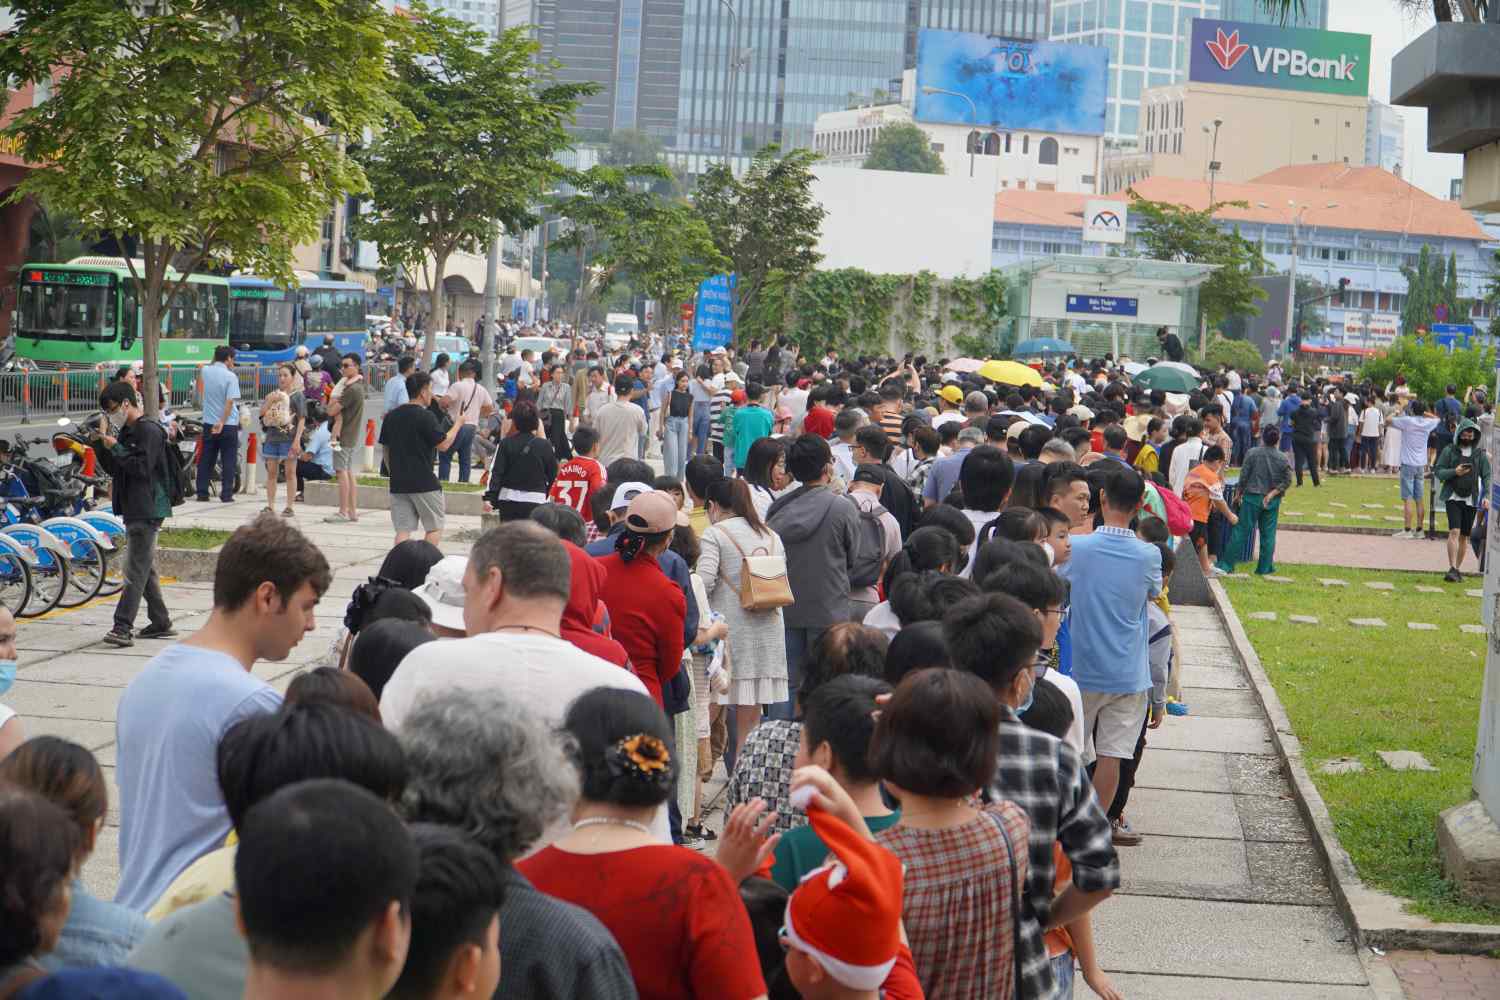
x=114 y=568
x=86 y=568
x=49 y=581
x=15 y=582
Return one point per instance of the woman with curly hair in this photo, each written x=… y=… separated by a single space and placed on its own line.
x=38 y=850
x=676 y=914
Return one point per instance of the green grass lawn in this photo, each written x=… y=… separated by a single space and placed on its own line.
x=384 y=483
x=1345 y=501
x=1352 y=691
x=191 y=538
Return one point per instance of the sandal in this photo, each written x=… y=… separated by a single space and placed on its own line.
x=288 y=512
x=267 y=510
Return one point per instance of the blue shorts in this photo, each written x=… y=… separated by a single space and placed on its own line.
x=275 y=450
x=1411 y=482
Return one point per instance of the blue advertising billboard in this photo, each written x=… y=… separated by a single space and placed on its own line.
x=1044 y=86
x=713 y=313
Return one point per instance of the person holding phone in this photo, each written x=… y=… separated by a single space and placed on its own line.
x=1464 y=471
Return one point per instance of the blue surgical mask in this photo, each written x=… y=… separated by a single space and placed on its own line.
x=7 y=675
x=1030 y=697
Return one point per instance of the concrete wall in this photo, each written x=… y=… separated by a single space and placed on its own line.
x=899 y=223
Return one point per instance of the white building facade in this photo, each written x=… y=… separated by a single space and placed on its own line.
x=1385 y=137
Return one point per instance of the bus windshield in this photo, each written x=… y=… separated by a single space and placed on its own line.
x=66 y=305
x=260 y=318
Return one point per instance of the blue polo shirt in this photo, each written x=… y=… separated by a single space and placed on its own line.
x=221 y=387
x=1111 y=574
x=943 y=476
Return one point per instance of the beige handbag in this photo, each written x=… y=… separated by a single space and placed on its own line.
x=763 y=581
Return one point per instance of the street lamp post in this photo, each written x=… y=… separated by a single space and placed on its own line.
x=1291 y=294
x=973 y=117
x=1213 y=160
x=731 y=80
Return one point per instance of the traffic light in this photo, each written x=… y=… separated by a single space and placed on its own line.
x=1343 y=284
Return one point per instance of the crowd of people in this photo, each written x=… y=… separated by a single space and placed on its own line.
x=920 y=623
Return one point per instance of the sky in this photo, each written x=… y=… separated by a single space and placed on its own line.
x=1390 y=30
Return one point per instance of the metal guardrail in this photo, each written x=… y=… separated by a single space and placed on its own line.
x=38 y=394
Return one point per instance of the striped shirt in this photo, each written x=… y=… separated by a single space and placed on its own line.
x=715 y=413
x=890 y=422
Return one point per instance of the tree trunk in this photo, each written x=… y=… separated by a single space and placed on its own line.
x=437 y=307
x=154 y=277
x=581 y=299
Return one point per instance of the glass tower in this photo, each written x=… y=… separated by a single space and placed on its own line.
x=1147 y=42
x=1314 y=13
x=483 y=14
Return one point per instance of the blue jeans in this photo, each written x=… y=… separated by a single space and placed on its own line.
x=798 y=642
x=1240 y=435
x=1062 y=974
x=223 y=447
x=462 y=445
x=674 y=447
x=700 y=428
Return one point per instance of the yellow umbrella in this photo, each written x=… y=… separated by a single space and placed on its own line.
x=1010 y=373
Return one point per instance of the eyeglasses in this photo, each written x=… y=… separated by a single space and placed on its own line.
x=1061 y=613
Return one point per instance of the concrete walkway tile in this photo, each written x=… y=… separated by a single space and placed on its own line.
x=1190 y=616
x=101 y=874
x=1423 y=588
x=1168 y=813
x=1421 y=626
x=1288 y=873
x=1270 y=819
x=1332 y=582
x=1380 y=585
x=1392 y=518
x=40 y=699
x=1209 y=657
x=1293 y=513
x=1194 y=986
x=1471 y=629
x=54 y=640
x=1221 y=735
x=91 y=667
x=1474 y=592
x=1184 y=861
x=1213 y=675
x=85 y=732
x=1187 y=937
x=1256 y=774
x=1367 y=622
x=1405 y=760
x=1216 y=703
x=1362 y=517
x=1184 y=770
x=1373 y=506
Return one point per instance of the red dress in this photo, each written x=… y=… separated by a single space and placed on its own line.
x=676 y=915
x=647 y=614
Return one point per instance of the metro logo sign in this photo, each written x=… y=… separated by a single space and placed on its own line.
x=1330 y=62
x=1227 y=49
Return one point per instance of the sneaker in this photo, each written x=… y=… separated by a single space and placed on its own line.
x=1213 y=573
x=152 y=632
x=1404 y=534
x=338 y=517
x=1123 y=835
x=114 y=637
x=1453 y=576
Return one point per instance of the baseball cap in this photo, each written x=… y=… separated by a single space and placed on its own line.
x=952 y=394
x=443 y=592
x=651 y=513
x=1081 y=412
x=626 y=492
x=869 y=473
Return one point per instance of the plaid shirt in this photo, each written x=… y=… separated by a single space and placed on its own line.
x=763 y=770
x=1044 y=776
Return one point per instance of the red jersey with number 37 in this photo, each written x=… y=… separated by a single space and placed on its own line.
x=577 y=479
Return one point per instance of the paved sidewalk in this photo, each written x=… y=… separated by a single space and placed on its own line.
x=1331 y=548
x=1226 y=899
x=1426 y=975
x=69 y=684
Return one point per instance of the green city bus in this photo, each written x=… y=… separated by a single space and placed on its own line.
x=84 y=315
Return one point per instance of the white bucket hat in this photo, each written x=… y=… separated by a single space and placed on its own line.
x=443 y=592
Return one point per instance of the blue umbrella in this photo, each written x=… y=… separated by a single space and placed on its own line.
x=1038 y=346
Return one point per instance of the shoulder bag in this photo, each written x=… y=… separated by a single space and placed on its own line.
x=764 y=585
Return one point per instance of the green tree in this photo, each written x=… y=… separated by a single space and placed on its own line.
x=904 y=147
x=1429 y=367
x=669 y=253
x=1442 y=10
x=196 y=134
x=765 y=221
x=1312 y=291
x=1176 y=232
x=603 y=213
x=1239 y=354
x=1424 y=292
x=471 y=144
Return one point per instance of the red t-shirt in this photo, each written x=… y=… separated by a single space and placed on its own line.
x=819 y=421
x=576 y=481
x=647 y=614
x=676 y=915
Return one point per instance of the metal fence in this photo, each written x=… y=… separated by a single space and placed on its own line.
x=35 y=395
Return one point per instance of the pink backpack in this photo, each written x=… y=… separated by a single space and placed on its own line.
x=1179 y=514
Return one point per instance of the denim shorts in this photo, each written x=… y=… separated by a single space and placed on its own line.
x=275 y=450
x=1411 y=482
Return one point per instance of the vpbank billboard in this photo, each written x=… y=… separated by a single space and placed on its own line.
x=1264 y=55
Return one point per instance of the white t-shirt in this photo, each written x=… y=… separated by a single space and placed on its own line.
x=978 y=518
x=537 y=671
x=947 y=417
x=1369 y=422
x=440 y=382
x=1069 y=687
x=1414 y=433
x=1183 y=457
x=794 y=401
x=1233 y=378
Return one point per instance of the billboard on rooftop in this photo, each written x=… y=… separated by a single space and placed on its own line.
x=1041 y=86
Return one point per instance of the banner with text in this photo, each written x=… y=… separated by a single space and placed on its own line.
x=713 y=313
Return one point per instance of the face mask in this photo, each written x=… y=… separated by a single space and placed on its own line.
x=1030 y=697
x=7 y=675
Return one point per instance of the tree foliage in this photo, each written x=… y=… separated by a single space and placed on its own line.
x=196 y=134
x=471 y=143
x=1429 y=285
x=1441 y=10
x=1176 y=232
x=905 y=147
x=1429 y=367
x=763 y=222
x=601 y=214
x=1240 y=354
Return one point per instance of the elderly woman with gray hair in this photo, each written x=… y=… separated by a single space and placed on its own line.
x=483 y=764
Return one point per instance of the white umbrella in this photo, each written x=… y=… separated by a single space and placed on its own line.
x=1180 y=365
x=965 y=366
x=1134 y=367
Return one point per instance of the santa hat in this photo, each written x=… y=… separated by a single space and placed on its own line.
x=847 y=914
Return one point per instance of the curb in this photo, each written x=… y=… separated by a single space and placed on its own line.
x=1341 y=529
x=1377 y=918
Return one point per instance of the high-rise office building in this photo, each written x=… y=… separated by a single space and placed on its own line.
x=1010 y=18
x=1385 y=137
x=630 y=48
x=1147 y=43
x=482 y=14
x=1314 y=13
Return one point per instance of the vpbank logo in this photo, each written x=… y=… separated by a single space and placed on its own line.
x=1227 y=49
x=1331 y=62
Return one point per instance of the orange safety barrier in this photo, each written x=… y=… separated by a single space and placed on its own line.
x=65 y=381
x=252 y=453
x=370 y=433
x=198 y=450
x=88 y=463
x=26 y=394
